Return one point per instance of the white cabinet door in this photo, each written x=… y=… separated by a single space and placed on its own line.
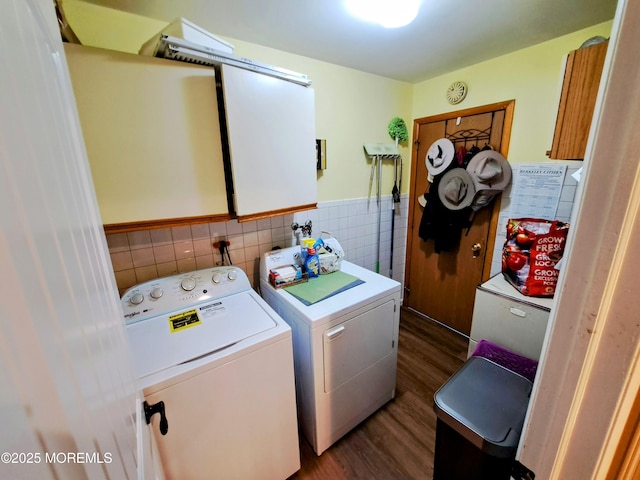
x=152 y=134
x=271 y=129
x=517 y=325
x=234 y=419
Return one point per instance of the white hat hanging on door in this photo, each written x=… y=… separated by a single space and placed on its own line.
x=456 y=190
x=439 y=156
x=483 y=197
x=491 y=174
x=489 y=170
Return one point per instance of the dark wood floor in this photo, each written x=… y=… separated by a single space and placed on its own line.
x=398 y=441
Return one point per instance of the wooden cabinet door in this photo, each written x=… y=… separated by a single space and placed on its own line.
x=577 y=102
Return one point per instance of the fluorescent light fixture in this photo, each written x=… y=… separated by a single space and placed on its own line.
x=388 y=13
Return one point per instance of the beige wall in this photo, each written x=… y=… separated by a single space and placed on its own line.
x=353 y=107
x=102 y=27
x=532 y=76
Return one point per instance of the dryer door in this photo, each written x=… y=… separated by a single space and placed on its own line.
x=357 y=344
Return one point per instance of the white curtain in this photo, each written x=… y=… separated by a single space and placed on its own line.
x=67 y=394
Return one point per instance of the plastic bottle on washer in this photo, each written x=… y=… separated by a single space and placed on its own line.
x=307 y=243
x=312 y=263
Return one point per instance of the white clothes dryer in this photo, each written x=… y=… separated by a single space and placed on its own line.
x=345 y=348
x=215 y=364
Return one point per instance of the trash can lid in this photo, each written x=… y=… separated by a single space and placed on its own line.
x=486 y=404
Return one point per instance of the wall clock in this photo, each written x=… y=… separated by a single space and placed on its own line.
x=456 y=92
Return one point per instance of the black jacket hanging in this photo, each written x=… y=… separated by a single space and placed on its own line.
x=439 y=223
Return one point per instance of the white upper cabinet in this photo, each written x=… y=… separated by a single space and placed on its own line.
x=152 y=135
x=271 y=134
x=159 y=143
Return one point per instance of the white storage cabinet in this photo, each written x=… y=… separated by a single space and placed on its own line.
x=502 y=315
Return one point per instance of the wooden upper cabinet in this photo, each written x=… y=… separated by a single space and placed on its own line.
x=577 y=102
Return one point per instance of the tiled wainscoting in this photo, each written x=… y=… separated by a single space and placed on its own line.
x=148 y=254
x=144 y=255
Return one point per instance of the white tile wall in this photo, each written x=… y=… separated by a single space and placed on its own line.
x=565 y=207
x=145 y=255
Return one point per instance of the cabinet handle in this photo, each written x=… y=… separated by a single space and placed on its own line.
x=335 y=333
x=518 y=312
x=151 y=410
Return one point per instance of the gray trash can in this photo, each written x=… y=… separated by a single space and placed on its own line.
x=480 y=412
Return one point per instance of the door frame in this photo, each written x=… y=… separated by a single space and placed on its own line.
x=508 y=106
x=584 y=408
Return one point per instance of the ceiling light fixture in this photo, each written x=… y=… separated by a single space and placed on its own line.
x=388 y=13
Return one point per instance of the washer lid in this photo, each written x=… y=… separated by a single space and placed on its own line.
x=195 y=331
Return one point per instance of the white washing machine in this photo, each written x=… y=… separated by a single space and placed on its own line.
x=215 y=363
x=345 y=348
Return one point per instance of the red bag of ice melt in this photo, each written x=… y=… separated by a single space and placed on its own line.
x=531 y=251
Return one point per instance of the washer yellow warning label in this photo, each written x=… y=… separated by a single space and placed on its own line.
x=183 y=320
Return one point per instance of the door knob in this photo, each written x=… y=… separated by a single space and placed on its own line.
x=475 y=249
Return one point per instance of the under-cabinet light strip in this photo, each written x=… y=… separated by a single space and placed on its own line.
x=178 y=49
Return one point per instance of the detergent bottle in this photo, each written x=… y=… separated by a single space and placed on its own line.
x=307 y=243
x=312 y=263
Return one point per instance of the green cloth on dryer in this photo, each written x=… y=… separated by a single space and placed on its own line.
x=323 y=287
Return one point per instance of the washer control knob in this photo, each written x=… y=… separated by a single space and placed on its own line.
x=156 y=293
x=188 y=284
x=216 y=279
x=232 y=275
x=136 y=298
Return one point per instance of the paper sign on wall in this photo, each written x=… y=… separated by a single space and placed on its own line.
x=536 y=191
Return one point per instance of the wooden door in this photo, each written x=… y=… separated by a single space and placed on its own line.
x=442 y=285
